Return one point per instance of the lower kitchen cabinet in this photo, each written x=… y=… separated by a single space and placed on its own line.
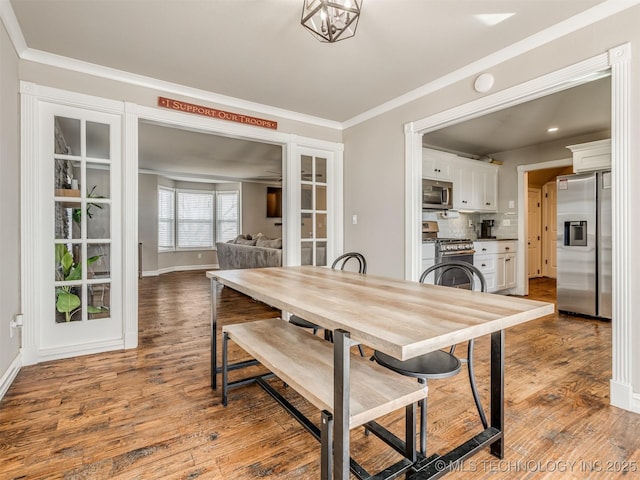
x=497 y=262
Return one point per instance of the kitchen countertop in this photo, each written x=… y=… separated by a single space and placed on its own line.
x=496 y=240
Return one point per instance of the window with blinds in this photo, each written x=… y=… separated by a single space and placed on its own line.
x=227 y=216
x=194 y=219
x=166 y=219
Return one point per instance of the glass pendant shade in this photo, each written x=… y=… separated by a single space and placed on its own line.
x=330 y=21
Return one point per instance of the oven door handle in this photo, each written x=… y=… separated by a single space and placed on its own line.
x=455 y=253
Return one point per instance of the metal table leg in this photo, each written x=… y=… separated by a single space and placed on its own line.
x=214 y=334
x=341 y=406
x=497 y=390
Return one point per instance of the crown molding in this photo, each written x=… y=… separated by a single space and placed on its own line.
x=8 y=17
x=583 y=19
x=109 y=73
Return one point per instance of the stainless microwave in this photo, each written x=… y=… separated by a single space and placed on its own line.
x=436 y=195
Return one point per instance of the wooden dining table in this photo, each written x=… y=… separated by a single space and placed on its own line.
x=401 y=318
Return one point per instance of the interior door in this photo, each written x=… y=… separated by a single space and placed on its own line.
x=550 y=231
x=81 y=246
x=314 y=209
x=534 y=240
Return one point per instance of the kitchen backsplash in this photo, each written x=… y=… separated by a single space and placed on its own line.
x=456 y=225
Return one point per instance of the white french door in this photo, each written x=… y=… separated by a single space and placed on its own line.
x=79 y=195
x=318 y=181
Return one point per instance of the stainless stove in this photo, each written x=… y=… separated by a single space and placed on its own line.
x=455 y=250
x=454 y=246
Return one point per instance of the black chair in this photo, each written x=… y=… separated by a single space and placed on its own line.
x=340 y=262
x=439 y=364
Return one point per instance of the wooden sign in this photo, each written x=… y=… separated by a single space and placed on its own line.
x=214 y=113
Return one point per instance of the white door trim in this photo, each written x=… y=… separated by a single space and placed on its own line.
x=625 y=306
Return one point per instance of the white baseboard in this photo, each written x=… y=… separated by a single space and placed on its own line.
x=635 y=403
x=179 y=268
x=9 y=376
x=623 y=396
x=69 y=351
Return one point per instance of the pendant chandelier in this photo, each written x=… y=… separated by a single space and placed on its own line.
x=331 y=20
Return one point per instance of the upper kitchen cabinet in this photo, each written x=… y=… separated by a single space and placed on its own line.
x=475 y=186
x=591 y=156
x=437 y=165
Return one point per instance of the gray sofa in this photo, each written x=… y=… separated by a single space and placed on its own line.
x=258 y=252
x=233 y=256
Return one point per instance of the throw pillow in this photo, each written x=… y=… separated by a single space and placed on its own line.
x=242 y=236
x=245 y=241
x=269 y=243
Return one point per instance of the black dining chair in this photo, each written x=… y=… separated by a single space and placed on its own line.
x=440 y=363
x=340 y=262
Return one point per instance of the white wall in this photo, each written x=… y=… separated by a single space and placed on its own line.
x=254 y=211
x=9 y=206
x=148 y=220
x=374 y=150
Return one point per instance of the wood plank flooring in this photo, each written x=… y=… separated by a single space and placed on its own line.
x=149 y=413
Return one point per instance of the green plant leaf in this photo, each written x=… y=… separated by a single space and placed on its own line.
x=75 y=273
x=93 y=259
x=61 y=249
x=67 y=263
x=93 y=309
x=67 y=302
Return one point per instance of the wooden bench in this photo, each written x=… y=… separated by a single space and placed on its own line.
x=305 y=363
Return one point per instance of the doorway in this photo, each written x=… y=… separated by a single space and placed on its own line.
x=617 y=62
x=541 y=221
x=233 y=176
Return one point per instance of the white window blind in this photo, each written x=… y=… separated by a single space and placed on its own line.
x=227 y=216
x=195 y=219
x=166 y=219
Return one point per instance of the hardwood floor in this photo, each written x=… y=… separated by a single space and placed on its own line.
x=149 y=413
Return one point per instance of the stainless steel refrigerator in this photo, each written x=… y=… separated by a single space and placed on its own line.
x=584 y=243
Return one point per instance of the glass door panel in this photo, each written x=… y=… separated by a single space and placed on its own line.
x=83 y=160
x=313 y=210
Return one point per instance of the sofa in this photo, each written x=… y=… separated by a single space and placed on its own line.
x=246 y=251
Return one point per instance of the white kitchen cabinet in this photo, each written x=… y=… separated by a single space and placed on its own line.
x=489 y=195
x=465 y=186
x=510 y=270
x=497 y=262
x=475 y=185
x=591 y=156
x=436 y=165
x=428 y=255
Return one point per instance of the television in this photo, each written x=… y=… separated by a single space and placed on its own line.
x=274 y=202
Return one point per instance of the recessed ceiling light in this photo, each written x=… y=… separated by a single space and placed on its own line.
x=491 y=19
x=552 y=130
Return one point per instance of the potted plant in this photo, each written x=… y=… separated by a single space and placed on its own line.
x=67 y=270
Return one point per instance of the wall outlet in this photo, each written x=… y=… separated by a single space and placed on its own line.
x=16 y=323
x=199 y=255
x=506 y=223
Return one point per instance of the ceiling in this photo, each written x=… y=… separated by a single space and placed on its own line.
x=205 y=157
x=256 y=50
x=581 y=110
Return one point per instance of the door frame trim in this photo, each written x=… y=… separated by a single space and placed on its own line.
x=31 y=95
x=625 y=305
